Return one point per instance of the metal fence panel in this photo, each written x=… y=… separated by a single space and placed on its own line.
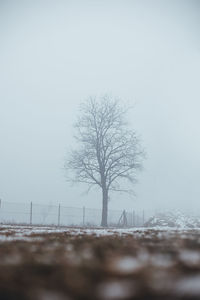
x=11 y=212
x=59 y=215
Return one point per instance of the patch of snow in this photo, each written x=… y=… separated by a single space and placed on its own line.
x=50 y=295
x=190 y=257
x=189 y=286
x=115 y=290
x=174 y=219
x=161 y=260
x=126 y=265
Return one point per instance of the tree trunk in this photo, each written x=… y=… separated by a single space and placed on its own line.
x=104 y=220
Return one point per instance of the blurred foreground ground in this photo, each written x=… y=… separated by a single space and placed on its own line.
x=43 y=263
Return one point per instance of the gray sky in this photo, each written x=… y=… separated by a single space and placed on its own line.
x=54 y=54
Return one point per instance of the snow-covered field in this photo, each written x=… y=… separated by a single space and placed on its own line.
x=21 y=232
x=50 y=263
x=16 y=232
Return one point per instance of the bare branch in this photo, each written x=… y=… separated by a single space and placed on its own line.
x=107 y=151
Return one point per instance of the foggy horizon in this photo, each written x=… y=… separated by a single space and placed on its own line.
x=56 y=54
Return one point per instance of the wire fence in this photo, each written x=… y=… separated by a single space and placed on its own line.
x=59 y=215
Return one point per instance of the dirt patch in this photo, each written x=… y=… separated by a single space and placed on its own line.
x=148 y=264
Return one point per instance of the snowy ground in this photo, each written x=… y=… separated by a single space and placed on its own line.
x=50 y=263
x=20 y=232
x=15 y=232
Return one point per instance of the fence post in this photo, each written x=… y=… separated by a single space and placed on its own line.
x=31 y=212
x=83 y=215
x=133 y=218
x=59 y=215
x=143 y=217
x=137 y=220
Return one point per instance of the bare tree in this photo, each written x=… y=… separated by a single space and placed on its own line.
x=108 y=152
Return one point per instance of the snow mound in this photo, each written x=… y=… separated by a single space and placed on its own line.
x=173 y=219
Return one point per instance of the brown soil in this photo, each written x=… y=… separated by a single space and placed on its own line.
x=143 y=265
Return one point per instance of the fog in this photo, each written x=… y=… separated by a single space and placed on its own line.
x=55 y=54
